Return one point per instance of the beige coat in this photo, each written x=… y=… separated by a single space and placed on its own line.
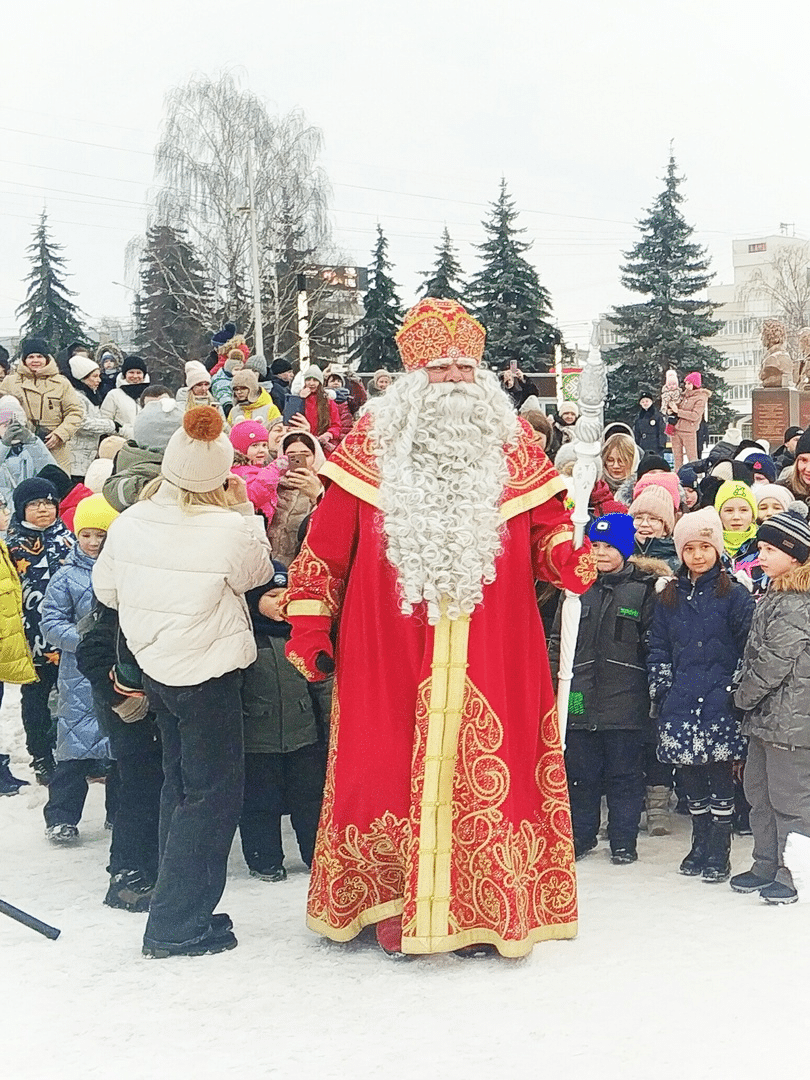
x=50 y=403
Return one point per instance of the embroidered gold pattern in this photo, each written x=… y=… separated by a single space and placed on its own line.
x=311 y=579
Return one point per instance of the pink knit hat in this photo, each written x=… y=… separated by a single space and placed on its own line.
x=703 y=525
x=669 y=481
x=655 y=500
x=695 y=378
x=246 y=433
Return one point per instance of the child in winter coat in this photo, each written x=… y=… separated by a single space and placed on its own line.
x=737 y=508
x=696 y=643
x=609 y=709
x=286 y=725
x=252 y=462
x=38 y=543
x=774 y=694
x=690 y=410
x=15 y=657
x=22 y=454
x=653 y=515
x=771 y=499
x=105 y=660
x=82 y=751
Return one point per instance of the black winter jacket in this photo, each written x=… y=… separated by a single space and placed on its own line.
x=609 y=691
x=649 y=431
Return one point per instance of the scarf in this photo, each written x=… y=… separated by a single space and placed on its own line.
x=736 y=489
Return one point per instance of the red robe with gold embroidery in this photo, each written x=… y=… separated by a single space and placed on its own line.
x=446 y=798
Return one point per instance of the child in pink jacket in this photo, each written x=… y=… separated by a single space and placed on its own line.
x=252 y=462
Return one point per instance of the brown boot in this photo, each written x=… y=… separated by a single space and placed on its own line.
x=657 y=803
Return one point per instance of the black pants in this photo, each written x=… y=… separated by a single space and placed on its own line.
x=137 y=750
x=709 y=787
x=657 y=773
x=39 y=725
x=609 y=762
x=203 y=767
x=277 y=784
x=67 y=790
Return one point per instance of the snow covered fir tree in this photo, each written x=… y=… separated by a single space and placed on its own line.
x=48 y=310
x=444 y=279
x=667 y=329
x=174 y=310
x=506 y=295
x=375 y=346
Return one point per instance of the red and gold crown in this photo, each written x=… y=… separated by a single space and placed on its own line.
x=439 y=330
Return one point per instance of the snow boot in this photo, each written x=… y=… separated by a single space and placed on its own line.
x=9 y=785
x=692 y=865
x=623 y=854
x=270 y=873
x=717 y=866
x=748 y=882
x=215 y=940
x=62 y=834
x=129 y=890
x=657 y=805
x=43 y=769
x=582 y=847
x=777 y=893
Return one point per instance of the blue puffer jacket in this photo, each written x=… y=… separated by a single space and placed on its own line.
x=696 y=648
x=69 y=598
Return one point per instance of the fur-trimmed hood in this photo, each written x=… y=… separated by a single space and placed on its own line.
x=108 y=347
x=796 y=580
x=657 y=567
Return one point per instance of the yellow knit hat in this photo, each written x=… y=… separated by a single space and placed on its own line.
x=94 y=512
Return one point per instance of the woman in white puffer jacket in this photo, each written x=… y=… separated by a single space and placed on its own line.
x=176 y=565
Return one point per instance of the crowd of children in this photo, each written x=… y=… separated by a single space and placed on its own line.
x=691 y=675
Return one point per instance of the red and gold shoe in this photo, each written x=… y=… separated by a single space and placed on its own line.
x=389 y=936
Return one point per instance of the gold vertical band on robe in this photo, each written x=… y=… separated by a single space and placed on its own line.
x=445 y=706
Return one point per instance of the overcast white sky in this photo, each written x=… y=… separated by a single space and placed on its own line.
x=424 y=104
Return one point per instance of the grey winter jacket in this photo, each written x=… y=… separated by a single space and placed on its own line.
x=68 y=598
x=774 y=691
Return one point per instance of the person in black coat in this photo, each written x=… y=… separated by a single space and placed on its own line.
x=281 y=375
x=122 y=710
x=286 y=725
x=609 y=708
x=649 y=429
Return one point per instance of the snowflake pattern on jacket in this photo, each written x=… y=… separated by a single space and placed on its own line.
x=37 y=554
x=695 y=654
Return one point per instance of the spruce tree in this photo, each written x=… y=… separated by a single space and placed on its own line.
x=174 y=310
x=444 y=280
x=508 y=297
x=47 y=310
x=666 y=330
x=375 y=346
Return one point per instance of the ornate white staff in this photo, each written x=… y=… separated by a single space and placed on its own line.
x=587 y=444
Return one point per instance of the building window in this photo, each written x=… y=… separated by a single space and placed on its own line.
x=757 y=247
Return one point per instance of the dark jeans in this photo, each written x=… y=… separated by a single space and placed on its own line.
x=67 y=790
x=277 y=784
x=204 y=771
x=39 y=725
x=137 y=750
x=609 y=762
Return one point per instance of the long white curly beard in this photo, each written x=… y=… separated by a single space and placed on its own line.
x=440 y=452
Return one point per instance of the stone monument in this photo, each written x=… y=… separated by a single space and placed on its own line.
x=776 y=406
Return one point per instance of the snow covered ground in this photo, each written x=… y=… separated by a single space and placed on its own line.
x=669 y=978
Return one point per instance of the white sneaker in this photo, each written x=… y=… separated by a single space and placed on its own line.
x=62 y=834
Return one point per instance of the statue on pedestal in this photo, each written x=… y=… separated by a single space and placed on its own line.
x=803 y=373
x=777 y=363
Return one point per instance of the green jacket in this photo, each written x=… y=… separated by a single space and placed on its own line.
x=278 y=711
x=134 y=468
